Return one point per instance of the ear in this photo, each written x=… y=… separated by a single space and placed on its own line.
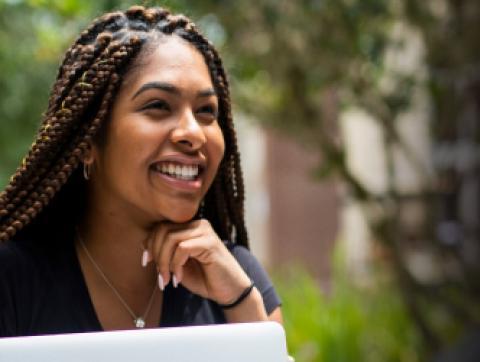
x=89 y=155
x=88 y=160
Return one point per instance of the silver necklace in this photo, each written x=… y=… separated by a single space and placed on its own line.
x=138 y=321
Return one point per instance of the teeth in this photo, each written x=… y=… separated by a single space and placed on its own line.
x=189 y=172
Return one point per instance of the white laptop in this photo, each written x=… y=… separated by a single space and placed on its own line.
x=252 y=342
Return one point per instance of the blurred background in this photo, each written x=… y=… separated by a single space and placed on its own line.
x=359 y=130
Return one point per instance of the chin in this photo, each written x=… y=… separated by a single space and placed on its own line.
x=181 y=219
x=180 y=216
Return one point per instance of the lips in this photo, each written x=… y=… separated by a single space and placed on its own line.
x=178 y=170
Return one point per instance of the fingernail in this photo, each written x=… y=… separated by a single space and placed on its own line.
x=174 y=281
x=145 y=258
x=160 y=282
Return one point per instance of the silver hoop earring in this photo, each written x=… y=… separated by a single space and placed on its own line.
x=86 y=171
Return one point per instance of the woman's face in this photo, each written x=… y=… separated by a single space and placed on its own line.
x=163 y=143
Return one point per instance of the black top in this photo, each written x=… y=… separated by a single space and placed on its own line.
x=43 y=291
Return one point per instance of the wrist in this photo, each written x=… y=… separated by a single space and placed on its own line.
x=251 y=309
x=238 y=300
x=232 y=289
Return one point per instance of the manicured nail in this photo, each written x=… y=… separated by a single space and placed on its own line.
x=160 y=282
x=174 y=281
x=150 y=257
x=145 y=258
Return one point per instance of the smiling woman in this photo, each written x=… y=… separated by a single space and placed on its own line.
x=167 y=114
x=127 y=211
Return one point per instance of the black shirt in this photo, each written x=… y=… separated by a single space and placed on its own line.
x=43 y=291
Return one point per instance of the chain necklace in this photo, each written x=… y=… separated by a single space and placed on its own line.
x=138 y=321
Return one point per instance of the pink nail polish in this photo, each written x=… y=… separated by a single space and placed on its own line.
x=145 y=258
x=160 y=282
x=174 y=281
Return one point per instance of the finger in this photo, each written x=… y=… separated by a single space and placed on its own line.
x=155 y=247
x=179 y=259
x=157 y=239
x=160 y=232
x=167 y=249
x=195 y=248
x=147 y=255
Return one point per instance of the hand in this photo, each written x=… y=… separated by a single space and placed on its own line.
x=193 y=254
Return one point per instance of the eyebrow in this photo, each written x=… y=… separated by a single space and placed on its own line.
x=170 y=88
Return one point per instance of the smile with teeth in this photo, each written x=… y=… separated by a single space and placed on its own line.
x=176 y=170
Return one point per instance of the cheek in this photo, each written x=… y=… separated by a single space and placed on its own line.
x=120 y=160
x=134 y=140
x=216 y=145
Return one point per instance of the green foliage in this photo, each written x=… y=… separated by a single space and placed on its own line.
x=296 y=53
x=34 y=34
x=348 y=324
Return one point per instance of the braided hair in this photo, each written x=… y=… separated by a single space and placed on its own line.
x=45 y=193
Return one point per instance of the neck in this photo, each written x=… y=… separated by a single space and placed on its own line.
x=116 y=243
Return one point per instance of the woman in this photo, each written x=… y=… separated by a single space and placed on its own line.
x=127 y=211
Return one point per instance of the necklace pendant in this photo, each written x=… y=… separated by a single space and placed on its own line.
x=139 y=322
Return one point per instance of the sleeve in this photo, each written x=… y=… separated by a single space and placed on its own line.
x=8 y=324
x=258 y=275
x=16 y=288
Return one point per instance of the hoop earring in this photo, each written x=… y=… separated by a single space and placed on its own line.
x=86 y=171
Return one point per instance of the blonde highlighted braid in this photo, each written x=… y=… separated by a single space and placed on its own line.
x=48 y=182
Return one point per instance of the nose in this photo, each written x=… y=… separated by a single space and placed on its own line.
x=188 y=133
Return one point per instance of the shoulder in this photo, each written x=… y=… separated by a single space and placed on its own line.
x=16 y=272
x=241 y=253
x=32 y=274
x=15 y=255
x=22 y=260
x=245 y=258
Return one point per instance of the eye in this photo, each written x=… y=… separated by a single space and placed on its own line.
x=209 y=111
x=156 y=104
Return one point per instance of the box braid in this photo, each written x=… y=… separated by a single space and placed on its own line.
x=79 y=106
